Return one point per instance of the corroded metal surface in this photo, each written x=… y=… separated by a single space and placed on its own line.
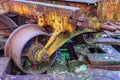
x=46 y=14
x=66 y=21
x=21 y=38
x=33 y=30
x=87 y=9
x=61 y=18
x=109 y=10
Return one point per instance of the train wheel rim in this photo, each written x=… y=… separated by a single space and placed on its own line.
x=16 y=43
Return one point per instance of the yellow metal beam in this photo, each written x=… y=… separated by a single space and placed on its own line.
x=3 y=11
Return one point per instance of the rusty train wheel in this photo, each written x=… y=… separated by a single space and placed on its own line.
x=88 y=38
x=23 y=44
x=91 y=38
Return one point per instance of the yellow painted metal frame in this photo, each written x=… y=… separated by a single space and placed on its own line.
x=61 y=18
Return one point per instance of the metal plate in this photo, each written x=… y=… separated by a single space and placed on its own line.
x=104 y=59
x=111 y=41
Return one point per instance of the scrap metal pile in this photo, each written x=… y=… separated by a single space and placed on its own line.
x=44 y=36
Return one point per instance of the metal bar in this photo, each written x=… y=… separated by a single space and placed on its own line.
x=104 y=59
x=109 y=49
x=83 y=1
x=45 y=14
x=111 y=41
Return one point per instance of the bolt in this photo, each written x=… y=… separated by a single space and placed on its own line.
x=66 y=34
x=45 y=58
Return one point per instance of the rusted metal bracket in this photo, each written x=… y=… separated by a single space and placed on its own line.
x=57 y=42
